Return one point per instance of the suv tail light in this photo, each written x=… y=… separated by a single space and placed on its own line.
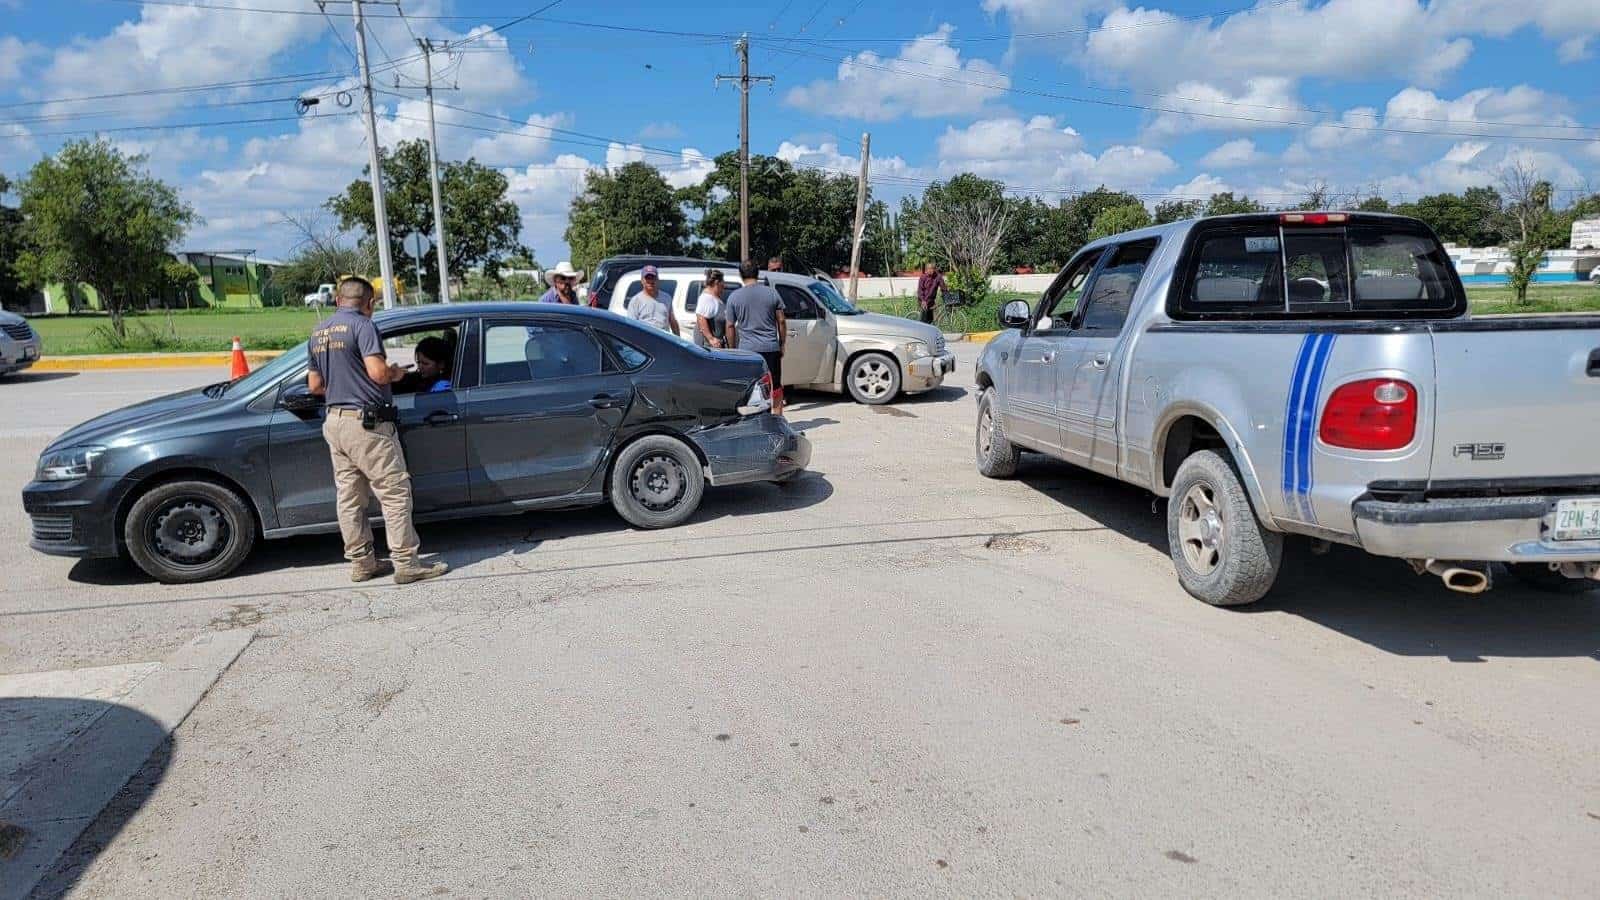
x=760 y=399
x=1374 y=414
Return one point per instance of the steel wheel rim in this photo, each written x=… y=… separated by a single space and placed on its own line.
x=872 y=378
x=659 y=482
x=189 y=532
x=1202 y=532
x=985 y=432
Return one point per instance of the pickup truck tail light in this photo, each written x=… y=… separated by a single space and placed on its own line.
x=1313 y=218
x=1373 y=414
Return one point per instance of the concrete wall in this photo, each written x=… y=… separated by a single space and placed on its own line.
x=906 y=286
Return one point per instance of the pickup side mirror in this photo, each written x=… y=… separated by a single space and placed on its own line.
x=1015 y=314
x=297 y=398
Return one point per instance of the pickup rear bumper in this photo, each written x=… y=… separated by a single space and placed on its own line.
x=1479 y=529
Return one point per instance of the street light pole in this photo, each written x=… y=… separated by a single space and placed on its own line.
x=379 y=213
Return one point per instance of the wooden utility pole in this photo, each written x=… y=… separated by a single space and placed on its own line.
x=861 y=213
x=427 y=46
x=380 y=214
x=744 y=78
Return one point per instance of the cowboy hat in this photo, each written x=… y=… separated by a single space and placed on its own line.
x=562 y=268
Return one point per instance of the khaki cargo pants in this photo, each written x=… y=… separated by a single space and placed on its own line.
x=371 y=461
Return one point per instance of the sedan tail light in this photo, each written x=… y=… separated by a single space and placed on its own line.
x=1373 y=414
x=760 y=399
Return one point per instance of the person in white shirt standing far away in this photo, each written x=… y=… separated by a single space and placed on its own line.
x=649 y=307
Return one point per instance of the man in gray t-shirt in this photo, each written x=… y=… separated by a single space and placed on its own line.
x=755 y=322
x=350 y=370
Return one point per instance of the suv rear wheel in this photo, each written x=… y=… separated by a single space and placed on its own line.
x=185 y=531
x=1222 y=553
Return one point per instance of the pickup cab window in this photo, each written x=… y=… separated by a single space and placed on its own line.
x=1266 y=268
x=1110 y=298
x=1060 y=300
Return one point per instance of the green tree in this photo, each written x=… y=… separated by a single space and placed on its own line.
x=91 y=214
x=966 y=219
x=13 y=289
x=1533 y=225
x=717 y=199
x=481 y=224
x=1117 y=219
x=1078 y=215
x=1373 y=204
x=629 y=210
x=819 y=211
x=1176 y=211
x=1225 y=204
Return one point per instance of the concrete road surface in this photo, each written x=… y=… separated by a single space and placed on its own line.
x=894 y=677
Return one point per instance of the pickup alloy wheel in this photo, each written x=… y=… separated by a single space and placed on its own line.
x=873 y=379
x=997 y=456
x=1221 y=552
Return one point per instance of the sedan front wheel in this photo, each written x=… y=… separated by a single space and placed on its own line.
x=186 y=531
x=873 y=379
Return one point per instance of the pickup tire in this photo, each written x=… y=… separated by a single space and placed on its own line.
x=657 y=482
x=997 y=457
x=186 y=531
x=1223 y=555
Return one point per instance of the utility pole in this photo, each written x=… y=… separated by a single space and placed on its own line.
x=433 y=176
x=861 y=213
x=744 y=78
x=379 y=213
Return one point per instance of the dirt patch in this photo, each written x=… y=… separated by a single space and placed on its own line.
x=1013 y=544
x=893 y=411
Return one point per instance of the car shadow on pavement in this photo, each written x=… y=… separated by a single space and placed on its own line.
x=808 y=401
x=52 y=822
x=465 y=542
x=1375 y=600
x=31 y=377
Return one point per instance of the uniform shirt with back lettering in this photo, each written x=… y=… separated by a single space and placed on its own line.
x=338 y=348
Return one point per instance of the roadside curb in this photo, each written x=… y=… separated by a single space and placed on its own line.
x=971 y=337
x=55 y=806
x=147 y=361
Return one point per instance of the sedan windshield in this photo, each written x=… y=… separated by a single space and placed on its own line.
x=832 y=299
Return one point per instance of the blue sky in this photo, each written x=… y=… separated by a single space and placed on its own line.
x=1169 y=99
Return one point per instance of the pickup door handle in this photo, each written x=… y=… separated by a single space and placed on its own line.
x=440 y=417
x=1047 y=357
x=606 y=401
x=1100 y=360
x=1594 y=363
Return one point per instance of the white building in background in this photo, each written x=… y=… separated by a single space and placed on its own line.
x=1585 y=234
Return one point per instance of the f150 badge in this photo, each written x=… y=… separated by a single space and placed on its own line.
x=1480 y=452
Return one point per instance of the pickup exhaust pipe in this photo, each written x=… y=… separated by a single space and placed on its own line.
x=1456 y=576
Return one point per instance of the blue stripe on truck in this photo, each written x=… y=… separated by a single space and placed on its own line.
x=1300 y=422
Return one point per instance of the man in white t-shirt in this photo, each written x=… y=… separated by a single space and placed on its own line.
x=649 y=306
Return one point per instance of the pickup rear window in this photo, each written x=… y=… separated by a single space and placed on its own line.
x=1370 y=267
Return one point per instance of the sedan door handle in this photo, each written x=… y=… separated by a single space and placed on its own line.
x=440 y=417
x=606 y=401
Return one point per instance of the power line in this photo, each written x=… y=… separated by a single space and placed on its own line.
x=322 y=7
x=175 y=126
x=1068 y=98
x=265 y=81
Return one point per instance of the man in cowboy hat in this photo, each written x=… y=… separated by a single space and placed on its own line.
x=563 y=281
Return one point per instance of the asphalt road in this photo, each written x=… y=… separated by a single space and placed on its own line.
x=894 y=677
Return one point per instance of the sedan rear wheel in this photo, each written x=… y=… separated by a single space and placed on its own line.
x=186 y=531
x=657 y=482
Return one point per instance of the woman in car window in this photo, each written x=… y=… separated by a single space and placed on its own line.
x=432 y=373
x=710 y=313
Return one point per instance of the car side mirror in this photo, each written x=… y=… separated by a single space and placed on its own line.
x=1015 y=314
x=298 y=398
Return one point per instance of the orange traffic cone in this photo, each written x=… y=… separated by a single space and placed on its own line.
x=241 y=366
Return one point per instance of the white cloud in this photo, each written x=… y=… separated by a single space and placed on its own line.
x=1267 y=102
x=14 y=53
x=827 y=156
x=1234 y=153
x=690 y=167
x=1046 y=13
x=1417 y=109
x=935 y=83
x=1041 y=154
x=660 y=131
x=1200 y=187
x=527 y=142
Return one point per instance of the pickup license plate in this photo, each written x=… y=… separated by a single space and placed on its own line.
x=1577 y=519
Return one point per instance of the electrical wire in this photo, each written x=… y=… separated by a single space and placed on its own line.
x=322 y=7
x=175 y=126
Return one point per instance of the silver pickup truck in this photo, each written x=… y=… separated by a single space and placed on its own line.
x=1313 y=374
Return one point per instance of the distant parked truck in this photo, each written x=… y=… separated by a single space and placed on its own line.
x=1313 y=374
x=322 y=297
x=324 y=292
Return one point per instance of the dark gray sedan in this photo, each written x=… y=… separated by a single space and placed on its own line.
x=541 y=407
